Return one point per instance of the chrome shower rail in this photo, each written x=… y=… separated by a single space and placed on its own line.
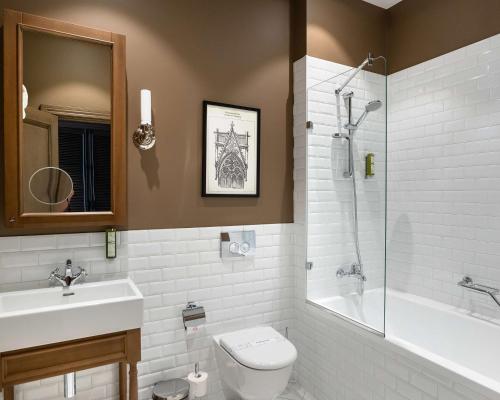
x=468 y=283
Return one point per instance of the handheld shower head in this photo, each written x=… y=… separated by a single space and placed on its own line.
x=373 y=105
x=370 y=106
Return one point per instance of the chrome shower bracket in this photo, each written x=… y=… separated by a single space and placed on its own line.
x=350 y=153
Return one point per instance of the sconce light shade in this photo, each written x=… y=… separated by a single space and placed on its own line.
x=145 y=107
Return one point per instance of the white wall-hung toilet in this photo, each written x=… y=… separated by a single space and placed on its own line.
x=254 y=364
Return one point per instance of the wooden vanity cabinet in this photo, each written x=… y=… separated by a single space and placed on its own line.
x=26 y=365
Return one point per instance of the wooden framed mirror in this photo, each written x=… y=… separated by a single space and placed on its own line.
x=64 y=124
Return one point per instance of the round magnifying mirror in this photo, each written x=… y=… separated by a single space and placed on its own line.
x=51 y=185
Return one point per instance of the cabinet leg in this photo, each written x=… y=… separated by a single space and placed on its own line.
x=133 y=389
x=123 y=381
x=8 y=393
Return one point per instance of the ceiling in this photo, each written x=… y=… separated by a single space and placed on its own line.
x=383 y=3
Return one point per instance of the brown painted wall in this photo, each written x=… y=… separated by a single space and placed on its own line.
x=185 y=51
x=420 y=30
x=238 y=51
x=344 y=31
x=408 y=33
x=298 y=25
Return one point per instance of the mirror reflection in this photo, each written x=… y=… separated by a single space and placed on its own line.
x=66 y=133
x=51 y=186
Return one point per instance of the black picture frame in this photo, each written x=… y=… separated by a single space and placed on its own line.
x=205 y=158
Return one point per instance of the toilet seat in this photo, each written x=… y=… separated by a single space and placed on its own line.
x=260 y=348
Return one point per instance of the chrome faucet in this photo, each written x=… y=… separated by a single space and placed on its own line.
x=351 y=270
x=68 y=278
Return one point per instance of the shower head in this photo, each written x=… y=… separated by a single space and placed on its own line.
x=370 y=106
x=373 y=106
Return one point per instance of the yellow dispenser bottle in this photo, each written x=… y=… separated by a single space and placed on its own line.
x=369 y=165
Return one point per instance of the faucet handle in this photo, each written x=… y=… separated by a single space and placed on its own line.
x=54 y=273
x=80 y=275
x=55 y=276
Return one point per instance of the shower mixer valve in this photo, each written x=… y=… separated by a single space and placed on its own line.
x=351 y=271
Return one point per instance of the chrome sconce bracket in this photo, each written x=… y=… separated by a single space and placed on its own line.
x=144 y=137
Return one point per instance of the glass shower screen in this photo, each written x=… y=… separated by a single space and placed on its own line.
x=346 y=195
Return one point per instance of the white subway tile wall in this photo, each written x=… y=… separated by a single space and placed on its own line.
x=26 y=261
x=170 y=267
x=336 y=359
x=444 y=176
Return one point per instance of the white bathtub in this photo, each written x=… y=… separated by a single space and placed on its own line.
x=368 y=309
x=443 y=334
x=447 y=336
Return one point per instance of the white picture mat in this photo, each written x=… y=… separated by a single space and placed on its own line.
x=221 y=117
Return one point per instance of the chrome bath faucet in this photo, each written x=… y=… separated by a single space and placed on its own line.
x=68 y=278
x=351 y=270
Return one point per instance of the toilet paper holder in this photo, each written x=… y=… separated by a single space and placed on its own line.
x=193 y=315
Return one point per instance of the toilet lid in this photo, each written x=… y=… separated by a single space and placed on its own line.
x=259 y=348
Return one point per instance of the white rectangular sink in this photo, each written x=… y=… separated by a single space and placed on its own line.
x=42 y=316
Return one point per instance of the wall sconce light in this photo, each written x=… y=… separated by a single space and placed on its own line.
x=144 y=137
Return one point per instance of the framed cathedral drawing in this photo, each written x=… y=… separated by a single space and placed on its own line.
x=231 y=153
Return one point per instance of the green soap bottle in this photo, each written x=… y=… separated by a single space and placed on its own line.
x=111 y=243
x=369 y=165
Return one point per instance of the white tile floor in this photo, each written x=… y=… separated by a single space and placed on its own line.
x=295 y=392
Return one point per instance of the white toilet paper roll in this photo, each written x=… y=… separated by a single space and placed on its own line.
x=198 y=384
x=193 y=330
